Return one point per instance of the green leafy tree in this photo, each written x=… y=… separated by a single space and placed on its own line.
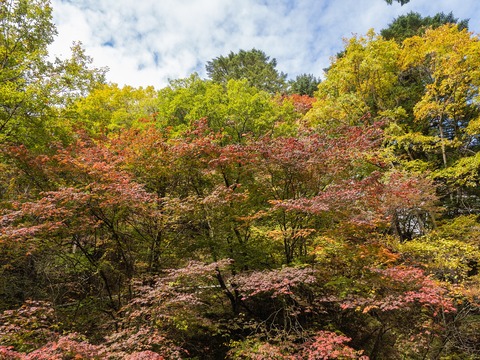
x=304 y=84
x=32 y=89
x=27 y=30
x=253 y=65
x=413 y=23
x=236 y=107
x=109 y=108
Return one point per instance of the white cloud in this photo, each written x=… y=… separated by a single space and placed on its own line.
x=146 y=42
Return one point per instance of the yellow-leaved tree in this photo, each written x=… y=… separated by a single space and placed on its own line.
x=361 y=83
x=447 y=62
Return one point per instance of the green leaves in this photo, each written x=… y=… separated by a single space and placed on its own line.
x=411 y=24
x=108 y=109
x=27 y=30
x=305 y=84
x=33 y=91
x=293 y=223
x=236 y=108
x=253 y=65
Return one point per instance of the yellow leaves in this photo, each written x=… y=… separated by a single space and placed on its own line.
x=109 y=108
x=377 y=254
x=462 y=227
x=449 y=60
x=473 y=127
x=448 y=251
x=395 y=114
x=281 y=235
x=367 y=308
x=303 y=233
x=426 y=109
x=251 y=218
x=469 y=291
x=465 y=171
x=363 y=85
x=339 y=252
x=418 y=141
x=325 y=245
x=359 y=82
x=435 y=43
x=411 y=52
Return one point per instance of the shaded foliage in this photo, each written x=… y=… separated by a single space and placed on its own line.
x=220 y=219
x=412 y=24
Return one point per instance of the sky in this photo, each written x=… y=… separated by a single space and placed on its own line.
x=148 y=42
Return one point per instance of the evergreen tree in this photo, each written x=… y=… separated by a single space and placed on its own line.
x=253 y=65
x=304 y=84
x=413 y=23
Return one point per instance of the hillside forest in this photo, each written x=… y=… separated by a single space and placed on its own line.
x=244 y=215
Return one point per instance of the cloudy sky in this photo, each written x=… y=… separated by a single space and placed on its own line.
x=147 y=42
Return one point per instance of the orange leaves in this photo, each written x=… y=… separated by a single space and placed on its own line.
x=301 y=103
x=329 y=345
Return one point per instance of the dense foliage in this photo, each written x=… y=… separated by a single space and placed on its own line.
x=253 y=65
x=221 y=218
x=412 y=24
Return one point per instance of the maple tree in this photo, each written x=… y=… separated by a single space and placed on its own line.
x=85 y=220
x=216 y=219
x=262 y=203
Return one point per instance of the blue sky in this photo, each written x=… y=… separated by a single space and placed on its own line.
x=147 y=42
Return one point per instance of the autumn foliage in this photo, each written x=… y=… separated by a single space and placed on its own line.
x=217 y=220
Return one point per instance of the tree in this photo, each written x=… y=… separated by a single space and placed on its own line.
x=226 y=224
x=108 y=108
x=94 y=218
x=360 y=86
x=301 y=103
x=27 y=30
x=418 y=88
x=446 y=60
x=413 y=23
x=305 y=84
x=237 y=108
x=253 y=65
x=32 y=89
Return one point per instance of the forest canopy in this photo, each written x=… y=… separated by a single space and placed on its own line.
x=245 y=215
